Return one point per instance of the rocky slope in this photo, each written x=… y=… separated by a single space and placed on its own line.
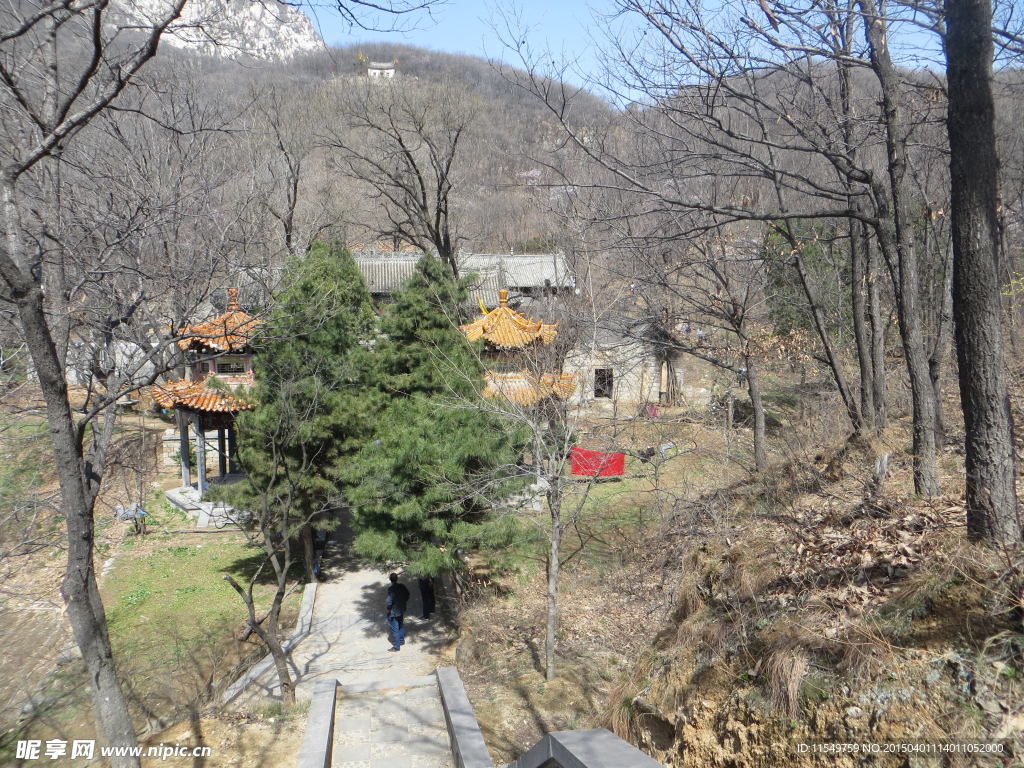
x=266 y=30
x=826 y=619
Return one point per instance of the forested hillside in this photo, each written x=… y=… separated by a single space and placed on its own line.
x=735 y=475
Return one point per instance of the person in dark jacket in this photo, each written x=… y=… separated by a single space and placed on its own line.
x=398 y=597
x=426 y=585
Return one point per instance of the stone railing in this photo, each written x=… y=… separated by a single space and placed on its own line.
x=468 y=747
x=319 y=737
x=596 y=748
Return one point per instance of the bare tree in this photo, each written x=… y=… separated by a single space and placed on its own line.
x=769 y=119
x=291 y=185
x=405 y=143
x=991 y=491
x=93 y=84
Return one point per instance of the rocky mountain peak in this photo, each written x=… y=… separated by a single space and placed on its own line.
x=267 y=30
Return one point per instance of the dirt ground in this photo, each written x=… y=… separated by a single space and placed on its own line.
x=235 y=740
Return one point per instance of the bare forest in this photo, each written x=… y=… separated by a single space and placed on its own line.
x=693 y=396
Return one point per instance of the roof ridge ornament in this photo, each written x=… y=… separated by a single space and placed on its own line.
x=505 y=328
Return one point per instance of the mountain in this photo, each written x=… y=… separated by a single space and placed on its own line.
x=266 y=30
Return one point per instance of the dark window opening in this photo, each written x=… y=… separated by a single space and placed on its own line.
x=231 y=366
x=603 y=380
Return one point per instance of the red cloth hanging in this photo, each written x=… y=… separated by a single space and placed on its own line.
x=596 y=463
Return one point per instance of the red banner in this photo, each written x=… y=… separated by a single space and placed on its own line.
x=596 y=463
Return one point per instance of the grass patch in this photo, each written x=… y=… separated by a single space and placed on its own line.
x=172 y=615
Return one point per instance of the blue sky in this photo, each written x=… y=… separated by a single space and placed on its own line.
x=467 y=26
x=570 y=30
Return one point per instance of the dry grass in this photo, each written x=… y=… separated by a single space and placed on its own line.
x=784 y=673
x=805 y=593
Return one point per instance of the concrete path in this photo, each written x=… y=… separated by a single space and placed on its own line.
x=389 y=709
x=397 y=728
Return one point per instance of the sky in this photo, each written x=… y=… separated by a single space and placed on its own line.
x=570 y=30
x=565 y=27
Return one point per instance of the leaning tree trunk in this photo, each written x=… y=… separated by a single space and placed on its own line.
x=814 y=304
x=267 y=629
x=79 y=590
x=895 y=234
x=280 y=660
x=991 y=496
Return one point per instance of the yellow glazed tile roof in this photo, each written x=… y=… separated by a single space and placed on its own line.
x=506 y=328
x=525 y=388
x=196 y=396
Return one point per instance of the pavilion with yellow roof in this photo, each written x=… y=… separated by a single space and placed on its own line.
x=508 y=335
x=219 y=357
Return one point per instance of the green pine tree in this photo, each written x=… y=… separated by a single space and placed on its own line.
x=311 y=387
x=421 y=488
x=310 y=418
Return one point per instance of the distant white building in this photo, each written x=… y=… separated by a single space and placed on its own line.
x=379 y=70
x=617 y=363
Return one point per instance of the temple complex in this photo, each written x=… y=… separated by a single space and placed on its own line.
x=509 y=337
x=218 y=356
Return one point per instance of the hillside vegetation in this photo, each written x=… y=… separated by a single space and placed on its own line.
x=793 y=313
x=819 y=603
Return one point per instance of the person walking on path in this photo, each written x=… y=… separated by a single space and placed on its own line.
x=398 y=597
x=426 y=585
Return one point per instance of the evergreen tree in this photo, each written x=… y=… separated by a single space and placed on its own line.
x=310 y=388
x=420 y=488
x=311 y=416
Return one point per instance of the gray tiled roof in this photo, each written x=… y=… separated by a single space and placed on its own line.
x=385 y=272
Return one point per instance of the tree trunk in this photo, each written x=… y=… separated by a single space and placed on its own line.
x=991 y=495
x=280 y=663
x=266 y=629
x=877 y=332
x=671 y=381
x=895 y=235
x=728 y=423
x=308 y=554
x=555 y=507
x=922 y=394
x=858 y=255
x=935 y=376
x=858 y=284
x=937 y=357
x=754 y=388
x=79 y=589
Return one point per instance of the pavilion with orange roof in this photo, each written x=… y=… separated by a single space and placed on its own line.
x=219 y=358
x=508 y=335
